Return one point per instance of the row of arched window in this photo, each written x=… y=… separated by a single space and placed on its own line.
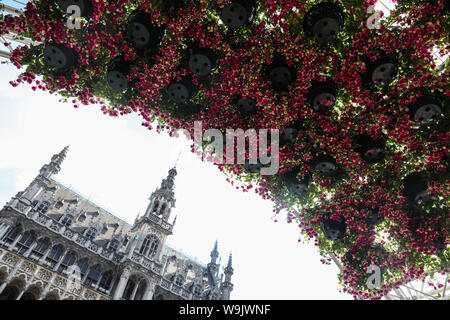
x=149 y=246
x=69 y=264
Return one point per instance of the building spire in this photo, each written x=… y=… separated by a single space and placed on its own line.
x=215 y=253
x=57 y=159
x=55 y=163
x=229 y=265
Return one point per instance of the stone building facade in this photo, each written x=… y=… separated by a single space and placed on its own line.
x=56 y=244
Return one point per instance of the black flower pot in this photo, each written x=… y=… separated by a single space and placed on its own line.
x=59 y=56
x=202 y=61
x=382 y=71
x=289 y=134
x=118 y=70
x=333 y=229
x=322 y=95
x=426 y=109
x=237 y=13
x=440 y=244
x=141 y=32
x=84 y=5
x=253 y=168
x=325 y=165
x=374 y=217
x=182 y=91
x=415 y=189
x=324 y=21
x=297 y=187
x=372 y=151
x=279 y=74
x=245 y=106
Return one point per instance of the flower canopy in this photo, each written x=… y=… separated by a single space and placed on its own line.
x=361 y=102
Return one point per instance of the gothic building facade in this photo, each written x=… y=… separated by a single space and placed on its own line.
x=56 y=244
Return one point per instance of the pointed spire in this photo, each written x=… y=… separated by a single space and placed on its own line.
x=168 y=183
x=229 y=265
x=57 y=159
x=55 y=164
x=215 y=253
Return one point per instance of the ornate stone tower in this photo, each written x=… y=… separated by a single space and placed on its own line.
x=42 y=181
x=227 y=286
x=152 y=229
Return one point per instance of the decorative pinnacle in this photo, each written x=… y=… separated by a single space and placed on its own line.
x=230 y=261
x=214 y=253
x=168 y=183
x=58 y=158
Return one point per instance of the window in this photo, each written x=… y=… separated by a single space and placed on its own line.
x=197 y=290
x=25 y=242
x=93 y=275
x=114 y=245
x=179 y=280
x=163 y=208
x=40 y=248
x=43 y=207
x=67 y=220
x=105 y=282
x=91 y=233
x=149 y=246
x=68 y=261
x=12 y=234
x=54 y=255
x=155 y=206
x=83 y=265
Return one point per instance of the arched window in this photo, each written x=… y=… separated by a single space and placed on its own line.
x=129 y=289
x=25 y=242
x=67 y=220
x=140 y=290
x=93 y=275
x=153 y=247
x=68 y=261
x=83 y=265
x=43 y=207
x=12 y=234
x=179 y=280
x=40 y=248
x=155 y=206
x=197 y=290
x=105 y=282
x=91 y=233
x=163 y=208
x=149 y=246
x=54 y=255
x=114 y=245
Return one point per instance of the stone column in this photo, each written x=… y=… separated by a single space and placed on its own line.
x=3 y=286
x=148 y=294
x=3 y=229
x=136 y=286
x=122 y=283
x=60 y=260
x=21 y=293
x=13 y=245
x=28 y=252
x=133 y=246
x=42 y=259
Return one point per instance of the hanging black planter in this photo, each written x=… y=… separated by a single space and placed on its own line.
x=289 y=134
x=182 y=91
x=440 y=244
x=324 y=21
x=374 y=217
x=253 y=168
x=117 y=74
x=322 y=95
x=415 y=189
x=59 y=56
x=372 y=151
x=237 y=13
x=279 y=73
x=325 y=165
x=84 y=5
x=333 y=229
x=382 y=71
x=141 y=32
x=202 y=61
x=426 y=110
x=245 y=106
x=297 y=187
